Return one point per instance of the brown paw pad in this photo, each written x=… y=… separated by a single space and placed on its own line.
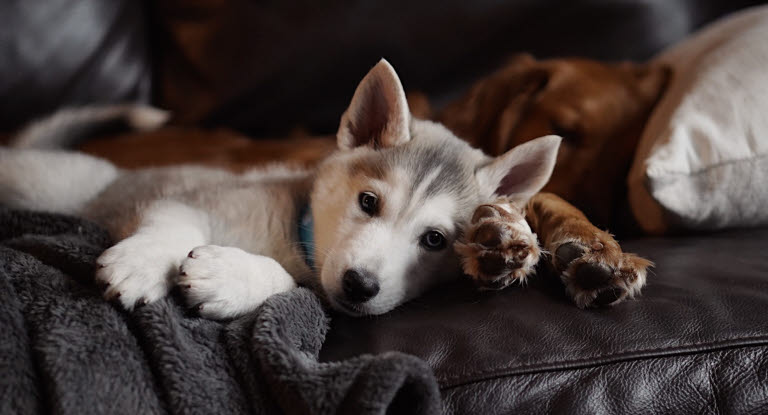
x=591 y=276
x=607 y=285
x=598 y=274
x=567 y=253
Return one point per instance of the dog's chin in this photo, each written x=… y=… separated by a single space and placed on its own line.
x=355 y=310
x=349 y=309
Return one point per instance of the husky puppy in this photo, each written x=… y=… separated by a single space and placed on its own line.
x=384 y=210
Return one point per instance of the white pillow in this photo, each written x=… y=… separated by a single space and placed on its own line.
x=702 y=162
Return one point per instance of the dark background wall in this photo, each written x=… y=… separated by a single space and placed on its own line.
x=265 y=67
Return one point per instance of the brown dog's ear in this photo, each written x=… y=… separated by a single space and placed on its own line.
x=418 y=104
x=487 y=115
x=531 y=83
x=520 y=60
x=378 y=115
x=522 y=171
x=652 y=80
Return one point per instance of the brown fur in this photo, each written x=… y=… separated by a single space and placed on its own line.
x=217 y=148
x=599 y=110
x=597 y=272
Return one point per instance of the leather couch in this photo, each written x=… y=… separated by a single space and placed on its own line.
x=694 y=342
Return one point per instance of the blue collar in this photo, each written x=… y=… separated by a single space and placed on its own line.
x=307 y=235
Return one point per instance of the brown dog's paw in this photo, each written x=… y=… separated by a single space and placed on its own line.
x=498 y=247
x=597 y=273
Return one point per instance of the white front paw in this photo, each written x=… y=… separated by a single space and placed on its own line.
x=225 y=282
x=138 y=270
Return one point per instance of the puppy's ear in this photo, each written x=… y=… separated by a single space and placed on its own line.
x=522 y=171
x=378 y=115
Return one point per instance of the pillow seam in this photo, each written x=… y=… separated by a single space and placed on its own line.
x=707 y=169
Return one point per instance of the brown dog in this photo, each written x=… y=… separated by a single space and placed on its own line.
x=599 y=110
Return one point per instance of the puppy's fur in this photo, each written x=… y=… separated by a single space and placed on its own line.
x=230 y=240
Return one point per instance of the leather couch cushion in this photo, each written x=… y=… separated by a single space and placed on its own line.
x=264 y=67
x=697 y=337
x=62 y=52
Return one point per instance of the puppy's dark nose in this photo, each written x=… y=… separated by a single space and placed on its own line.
x=359 y=286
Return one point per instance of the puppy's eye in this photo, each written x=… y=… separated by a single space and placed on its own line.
x=368 y=202
x=433 y=241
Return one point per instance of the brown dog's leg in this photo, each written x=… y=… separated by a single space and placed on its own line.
x=589 y=261
x=498 y=248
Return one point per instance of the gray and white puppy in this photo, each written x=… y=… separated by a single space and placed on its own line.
x=387 y=208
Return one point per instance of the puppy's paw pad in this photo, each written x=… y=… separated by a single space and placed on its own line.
x=498 y=247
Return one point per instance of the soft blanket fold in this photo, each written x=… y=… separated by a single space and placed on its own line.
x=65 y=350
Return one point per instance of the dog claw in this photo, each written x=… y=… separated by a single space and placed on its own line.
x=608 y=297
x=113 y=296
x=494 y=285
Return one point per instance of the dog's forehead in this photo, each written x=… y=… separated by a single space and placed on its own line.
x=441 y=168
x=424 y=169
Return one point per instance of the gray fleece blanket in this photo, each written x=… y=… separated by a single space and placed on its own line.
x=65 y=350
